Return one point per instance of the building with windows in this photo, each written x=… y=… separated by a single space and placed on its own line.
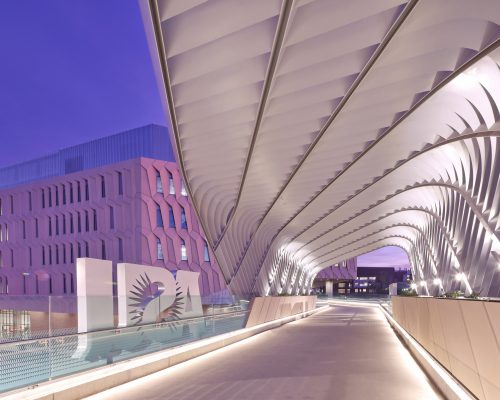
x=126 y=208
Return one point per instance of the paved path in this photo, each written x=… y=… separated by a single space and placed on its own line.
x=348 y=352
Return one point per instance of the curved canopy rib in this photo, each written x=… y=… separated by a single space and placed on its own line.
x=312 y=131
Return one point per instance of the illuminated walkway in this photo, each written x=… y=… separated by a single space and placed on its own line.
x=347 y=352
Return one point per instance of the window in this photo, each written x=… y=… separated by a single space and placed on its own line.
x=57 y=254
x=6 y=232
x=120 y=183
x=64 y=223
x=95 y=219
x=1 y=234
x=159 y=250
x=37 y=285
x=57 y=195
x=79 y=250
x=50 y=226
x=120 y=249
x=159 y=219
x=171 y=187
x=71 y=224
x=71 y=253
x=87 y=194
x=24 y=283
x=50 y=284
x=79 y=222
x=63 y=194
x=11 y=258
x=103 y=249
x=87 y=222
x=36 y=227
x=206 y=254
x=64 y=282
x=1 y=208
x=183 y=251
x=30 y=257
x=87 y=249
x=71 y=283
x=50 y=255
x=24 y=229
x=111 y=217
x=64 y=253
x=103 y=187
x=57 y=225
x=43 y=198
x=50 y=196
x=159 y=186
x=183 y=219
x=30 y=201
x=78 y=192
x=43 y=255
x=71 y=199
x=171 y=219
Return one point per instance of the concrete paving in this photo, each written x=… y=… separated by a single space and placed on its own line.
x=347 y=352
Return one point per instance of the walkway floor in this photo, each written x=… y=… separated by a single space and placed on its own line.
x=348 y=352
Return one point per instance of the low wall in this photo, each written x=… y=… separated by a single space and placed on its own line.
x=463 y=335
x=269 y=308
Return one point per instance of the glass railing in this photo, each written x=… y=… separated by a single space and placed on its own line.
x=43 y=344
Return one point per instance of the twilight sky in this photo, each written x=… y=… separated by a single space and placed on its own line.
x=76 y=70
x=70 y=71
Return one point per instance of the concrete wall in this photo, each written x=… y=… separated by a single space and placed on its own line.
x=463 y=335
x=270 y=308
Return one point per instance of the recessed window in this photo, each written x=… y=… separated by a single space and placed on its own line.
x=36 y=227
x=57 y=225
x=87 y=222
x=64 y=224
x=103 y=187
x=171 y=187
x=43 y=198
x=183 y=219
x=183 y=251
x=63 y=188
x=78 y=192
x=159 y=186
x=50 y=226
x=159 y=218
x=71 y=198
x=30 y=201
x=24 y=229
x=206 y=254
x=103 y=249
x=120 y=183
x=50 y=196
x=111 y=217
x=95 y=219
x=159 y=250
x=171 y=219
x=57 y=196
x=87 y=194
x=79 y=222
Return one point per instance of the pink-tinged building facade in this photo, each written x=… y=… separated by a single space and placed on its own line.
x=132 y=211
x=345 y=270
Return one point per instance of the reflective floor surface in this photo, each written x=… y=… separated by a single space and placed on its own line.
x=346 y=352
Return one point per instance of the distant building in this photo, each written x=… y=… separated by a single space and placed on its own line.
x=103 y=199
x=376 y=280
x=334 y=281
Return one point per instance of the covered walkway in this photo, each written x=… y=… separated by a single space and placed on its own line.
x=346 y=352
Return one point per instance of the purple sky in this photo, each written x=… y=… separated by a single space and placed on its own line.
x=71 y=70
x=76 y=70
x=391 y=256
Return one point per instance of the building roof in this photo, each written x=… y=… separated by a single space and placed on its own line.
x=150 y=141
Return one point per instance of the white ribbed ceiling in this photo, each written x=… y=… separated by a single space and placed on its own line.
x=313 y=131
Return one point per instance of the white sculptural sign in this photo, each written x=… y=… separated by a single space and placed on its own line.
x=146 y=294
